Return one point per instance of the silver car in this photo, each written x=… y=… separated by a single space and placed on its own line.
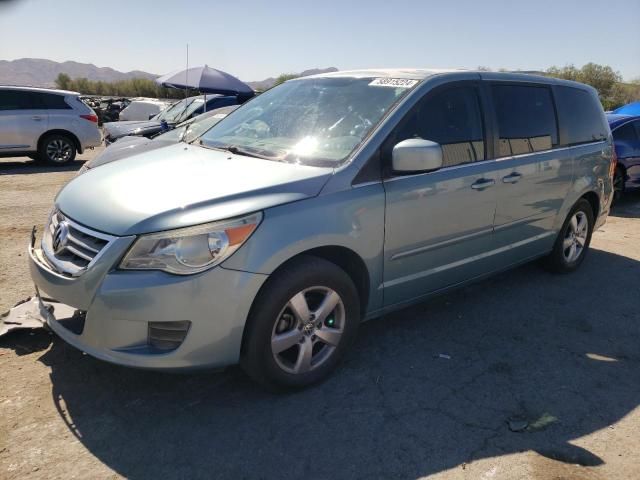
x=321 y=203
x=44 y=124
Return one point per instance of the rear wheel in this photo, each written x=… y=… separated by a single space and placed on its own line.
x=57 y=149
x=301 y=324
x=573 y=240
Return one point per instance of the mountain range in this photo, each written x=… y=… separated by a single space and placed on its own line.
x=39 y=72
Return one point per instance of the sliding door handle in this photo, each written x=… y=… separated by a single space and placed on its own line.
x=482 y=183
x=512 y=178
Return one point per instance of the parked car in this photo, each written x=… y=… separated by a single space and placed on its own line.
x=322 y=202
x=129 y=146
x=143 y=109
x=48 y=125
x=167 y=119
x=626 y=136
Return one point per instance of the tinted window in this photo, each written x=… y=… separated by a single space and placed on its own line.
x=51 y=101
x=526 y=119
x=16 y=100
x=451 y=118
x=580 y=115
x=625 y=133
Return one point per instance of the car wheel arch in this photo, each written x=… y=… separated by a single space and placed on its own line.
x=345 y=258
x=66 y=133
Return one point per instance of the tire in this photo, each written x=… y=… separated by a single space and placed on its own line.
x=618 y=184
x=572 y=235
x=283 y=351
x=57 y=149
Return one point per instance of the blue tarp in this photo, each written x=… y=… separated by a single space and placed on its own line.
x=206 y=80
x=632 y=108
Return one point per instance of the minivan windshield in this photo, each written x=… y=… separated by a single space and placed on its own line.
x=314 y=121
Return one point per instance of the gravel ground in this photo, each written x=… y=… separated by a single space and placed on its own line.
x=557 y=353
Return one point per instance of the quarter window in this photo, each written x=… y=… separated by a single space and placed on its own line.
x=580 y=115
x=451 y=118
x=526 y=119
x=51 y=101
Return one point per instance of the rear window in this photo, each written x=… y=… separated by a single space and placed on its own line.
x=581 y=116
x=526 y=119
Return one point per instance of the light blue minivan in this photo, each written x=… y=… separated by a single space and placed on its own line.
x=323 y=202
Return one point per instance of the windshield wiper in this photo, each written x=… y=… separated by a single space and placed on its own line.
x=236 y=150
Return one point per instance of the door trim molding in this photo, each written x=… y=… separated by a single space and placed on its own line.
x=464 y=261
x=444 y=243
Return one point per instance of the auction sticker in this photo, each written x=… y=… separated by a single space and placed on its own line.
x=394 y=82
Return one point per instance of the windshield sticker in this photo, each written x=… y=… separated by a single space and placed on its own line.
x=394 y=82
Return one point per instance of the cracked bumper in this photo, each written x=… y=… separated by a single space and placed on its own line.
x=118 y=307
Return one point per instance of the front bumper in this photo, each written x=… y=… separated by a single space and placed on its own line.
x=116 y=308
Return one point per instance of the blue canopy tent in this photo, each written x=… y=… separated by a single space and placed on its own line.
x=632 y=108
x=207 y=80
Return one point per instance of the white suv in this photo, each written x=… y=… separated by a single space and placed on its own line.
x=44 y=124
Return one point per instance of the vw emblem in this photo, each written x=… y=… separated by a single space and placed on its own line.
x=60 y=235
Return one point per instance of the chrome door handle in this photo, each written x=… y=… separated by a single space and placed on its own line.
x=36 y=117
x=482 y=184
x=512 y=178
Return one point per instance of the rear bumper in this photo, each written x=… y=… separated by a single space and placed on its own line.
x=116 y=308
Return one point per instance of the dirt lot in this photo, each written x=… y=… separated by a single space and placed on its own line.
x=559 y=352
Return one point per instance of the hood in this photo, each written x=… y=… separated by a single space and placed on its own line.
x=127 y=147
x=183 y=185
x=120 y=129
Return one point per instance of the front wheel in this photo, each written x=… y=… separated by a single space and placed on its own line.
x=573 y=240
x=301 y=324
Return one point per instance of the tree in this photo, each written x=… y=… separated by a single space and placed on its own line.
x=283 y=77
x=63 y=81
x=601 y=77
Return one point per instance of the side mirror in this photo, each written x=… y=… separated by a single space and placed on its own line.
x=416 y=155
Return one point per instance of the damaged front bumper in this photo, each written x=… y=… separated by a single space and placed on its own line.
x=131 y=317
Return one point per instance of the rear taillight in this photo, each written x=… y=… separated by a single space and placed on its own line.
x=614 y=163
x=91 y=117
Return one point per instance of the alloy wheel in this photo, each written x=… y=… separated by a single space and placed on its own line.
x=59 y=150
x=308 y=330
x=575 y=237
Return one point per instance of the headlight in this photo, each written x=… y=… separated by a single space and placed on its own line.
x=190 y=250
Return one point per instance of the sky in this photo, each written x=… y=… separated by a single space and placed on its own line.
x=254 y=39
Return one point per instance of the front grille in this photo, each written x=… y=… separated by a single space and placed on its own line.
x=70 y=248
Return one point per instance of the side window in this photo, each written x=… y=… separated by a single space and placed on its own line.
x=580 y=115
x=526 y=119
x=626 y=133
x=451 y=118
x=16 y=100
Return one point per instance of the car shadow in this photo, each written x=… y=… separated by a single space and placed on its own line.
x=28 y=166
x=423 y=390
x=628 y=206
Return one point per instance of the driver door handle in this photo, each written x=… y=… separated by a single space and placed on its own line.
x=36 y=118
x=482 y=183
x=512 y=178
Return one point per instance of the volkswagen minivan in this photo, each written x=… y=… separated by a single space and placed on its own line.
x=323 y=202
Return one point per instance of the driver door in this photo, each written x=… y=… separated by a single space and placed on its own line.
x=439 y=225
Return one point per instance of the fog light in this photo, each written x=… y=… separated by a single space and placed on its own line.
x=167 y=335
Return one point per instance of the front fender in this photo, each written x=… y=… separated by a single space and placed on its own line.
x=352 y=218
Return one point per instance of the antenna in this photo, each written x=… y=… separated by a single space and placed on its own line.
x=186 y=74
